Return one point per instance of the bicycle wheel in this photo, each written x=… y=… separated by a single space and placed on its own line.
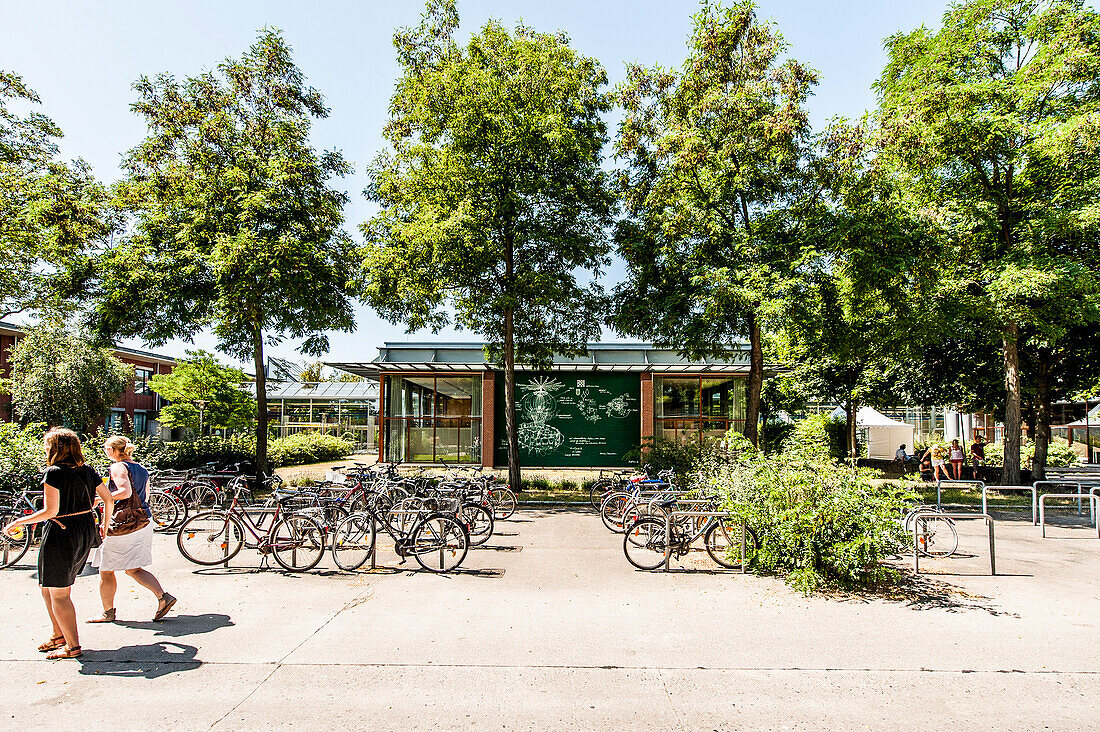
x=503 y=501
x=936 y=535
x=210 y=538
x=644 y=543
x=165 y=510
x=297 y=543
x=612 y=510
x=201 y=495
x=353 y=541
x=440 y=543
x=723 y=543
x=12 y=550
x=598 y=492
x=479 y=522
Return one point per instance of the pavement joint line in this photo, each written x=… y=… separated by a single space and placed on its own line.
x=276 y=665
x=353 y=602
x=671 y=702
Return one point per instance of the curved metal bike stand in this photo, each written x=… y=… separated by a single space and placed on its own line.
x=1094 y=504
x=978 y=483
x=957 y=516
x=700 y=514
x=1004 y=488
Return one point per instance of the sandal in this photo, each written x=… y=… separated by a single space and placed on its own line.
x=68 y=652
x=52 y=644
x=164 y=605
x=108 y=616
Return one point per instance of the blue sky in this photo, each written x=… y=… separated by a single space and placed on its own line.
x=81 y=57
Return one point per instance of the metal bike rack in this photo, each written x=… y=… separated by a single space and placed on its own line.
x=1003 y=488
x=700 y=514
x=957 y=516
x=964 y=483
x=1070 y=484
x=1094 y=504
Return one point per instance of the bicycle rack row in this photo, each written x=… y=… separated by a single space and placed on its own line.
x=697 y=514
x=1033 y=489
x=954 y=516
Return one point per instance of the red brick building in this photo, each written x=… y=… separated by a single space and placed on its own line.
x=136 y=411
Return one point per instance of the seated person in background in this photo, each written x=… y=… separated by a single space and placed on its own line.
x=926 y=472
x=901 y=456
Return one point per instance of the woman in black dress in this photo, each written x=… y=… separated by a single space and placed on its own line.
x=69 y=487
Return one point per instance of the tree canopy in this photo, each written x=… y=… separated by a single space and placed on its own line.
x=715 y=152
x=493 y=201
x=50 y=211
x=59 y=377
x=235 y=227
x=200 y=377
x=994 y=118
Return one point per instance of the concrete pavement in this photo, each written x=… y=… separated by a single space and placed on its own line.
x=550 y=627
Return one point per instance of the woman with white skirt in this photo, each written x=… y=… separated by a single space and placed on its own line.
x=131 y=552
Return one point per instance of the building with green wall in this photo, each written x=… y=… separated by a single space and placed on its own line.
x=443 y=403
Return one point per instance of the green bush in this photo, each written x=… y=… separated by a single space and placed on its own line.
x=22 y=457
x=818 y=436
x=1059 y=453
x=820 y=524
x=679 y=456
x=306 y=447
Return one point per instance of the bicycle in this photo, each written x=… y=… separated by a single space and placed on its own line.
x=935 y=533
x=14 y=503
x=437 y=539
x=647 y=545
x=214 y=537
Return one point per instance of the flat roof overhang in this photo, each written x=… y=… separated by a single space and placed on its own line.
x=373 y=369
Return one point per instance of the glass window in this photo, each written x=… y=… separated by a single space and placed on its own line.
x=140 y=423
x=141 y=380
x=433 y=418
x=677 y=397
x=723 y=397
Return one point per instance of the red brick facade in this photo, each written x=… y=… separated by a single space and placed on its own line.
x=130 y=404
x=488 y=401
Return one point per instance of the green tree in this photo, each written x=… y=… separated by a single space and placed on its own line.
x=994 y=118
x=50 y=211
x=59 y=377
x=715 y=153
x=851 y=313
x=235 y=227
x=492 y=197
x=200 y=377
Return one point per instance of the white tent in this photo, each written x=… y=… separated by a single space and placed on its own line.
x=884 y=435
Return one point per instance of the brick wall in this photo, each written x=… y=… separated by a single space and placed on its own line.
x=6 y=342
x=646 y=406
x=488 y=417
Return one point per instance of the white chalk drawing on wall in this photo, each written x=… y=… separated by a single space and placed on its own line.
x=618 y=408
x=539 y=407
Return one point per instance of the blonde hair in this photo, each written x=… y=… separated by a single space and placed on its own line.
x=120 y=443
x=63 y=448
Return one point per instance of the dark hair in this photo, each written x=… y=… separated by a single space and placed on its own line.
x=63 y=448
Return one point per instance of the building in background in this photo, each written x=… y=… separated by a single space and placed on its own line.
x=443 y=403
x=340 y=408
x=136 y=410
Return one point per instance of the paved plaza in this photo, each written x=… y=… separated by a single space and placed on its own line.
x=548 y=627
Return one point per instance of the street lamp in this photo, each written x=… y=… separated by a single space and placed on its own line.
x=201 y=404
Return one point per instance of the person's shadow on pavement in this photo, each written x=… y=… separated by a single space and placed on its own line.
x=151 y=661
x=175 y=626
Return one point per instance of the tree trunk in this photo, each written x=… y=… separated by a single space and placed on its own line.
x=1043 y=418
x=261 y=407
x=1011 y=475
x=756 y=382
x=852 y=410
x=514 y=477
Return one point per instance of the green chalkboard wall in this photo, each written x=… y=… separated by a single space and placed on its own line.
x=583 y=420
